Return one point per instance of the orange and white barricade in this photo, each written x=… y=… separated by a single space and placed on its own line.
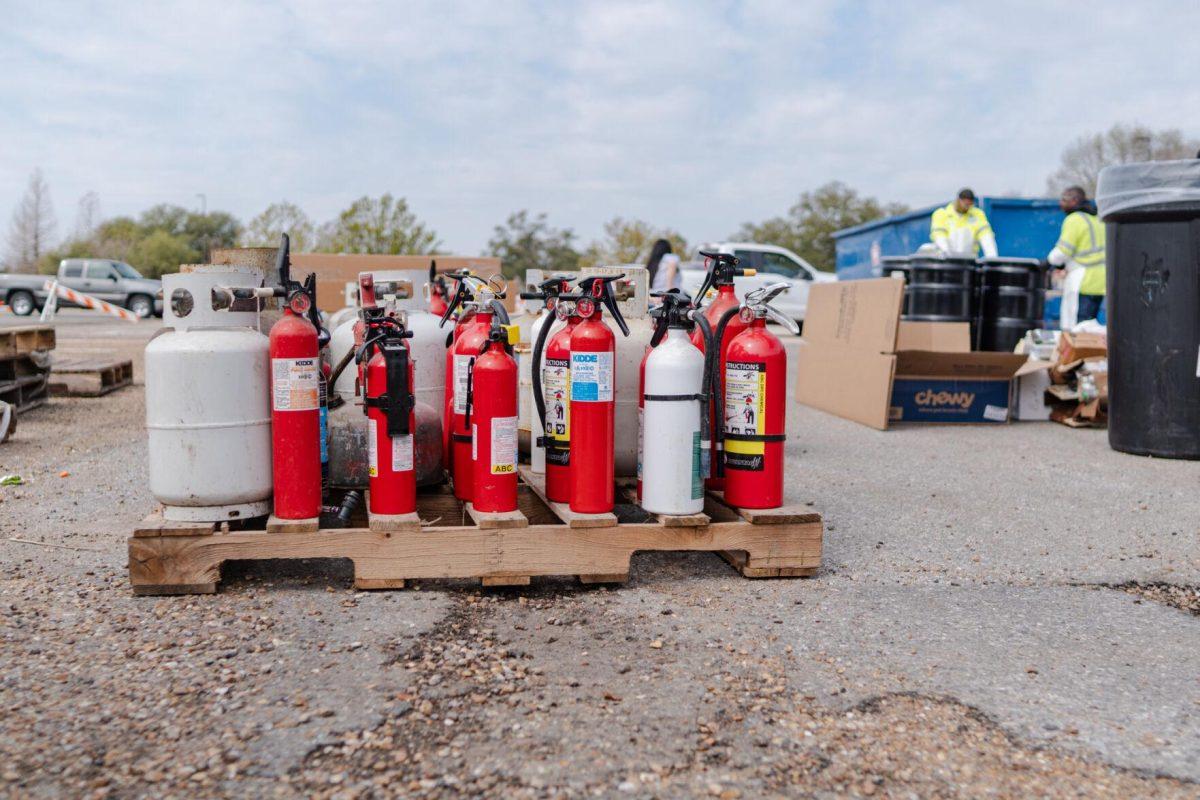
x=56 y=290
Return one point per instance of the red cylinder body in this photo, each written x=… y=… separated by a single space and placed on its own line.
x=593 y=403
x=392 y=474
x=295 y=418
x=725 y=300
x=755 y=386
x=448 y=410
x=466 y=350
x=437 y=302
x=494 y=430
x=556 y=388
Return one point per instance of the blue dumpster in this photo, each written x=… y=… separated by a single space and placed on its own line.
x=1025 y=228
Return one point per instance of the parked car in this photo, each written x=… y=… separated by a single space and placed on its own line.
x=112 y=281
x=772 y=264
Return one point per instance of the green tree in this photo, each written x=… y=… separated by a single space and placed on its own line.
x=203 y=232
x=808 y=228
x=161 y=252
x=278 y=218
x=628 y=241
x=378 y=225
x=522 y=243
x=1083 y=159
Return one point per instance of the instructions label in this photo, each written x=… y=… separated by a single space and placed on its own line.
x=402 y=453
x=462 y=373
x=372 y=449
x=294 y=384
x=592 y=377
x=556 y=391
x=504 y=446
x=745 y=413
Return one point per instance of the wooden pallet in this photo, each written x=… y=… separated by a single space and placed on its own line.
x=25 y=339
x=89 y=377
x=447 y=539
x=23 y=384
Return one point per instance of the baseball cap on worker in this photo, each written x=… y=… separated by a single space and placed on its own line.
x=966 y=194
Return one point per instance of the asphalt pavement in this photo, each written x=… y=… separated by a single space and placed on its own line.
x=972 y=631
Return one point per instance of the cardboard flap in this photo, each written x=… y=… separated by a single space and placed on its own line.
x=852 y=384
x=940 y=337
x=861 y=315
x=922 y=363
x=1033 y=365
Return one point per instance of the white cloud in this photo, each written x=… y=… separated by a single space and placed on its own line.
x=694 y=115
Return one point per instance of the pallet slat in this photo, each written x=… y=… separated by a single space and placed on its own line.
x=25 y=339
x=571 y=519
x=85 y=377
x=182 y=558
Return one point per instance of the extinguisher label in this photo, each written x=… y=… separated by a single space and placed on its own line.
x=697 y=477
x=556 y=387
x=402 y=453
x=294 y=384
x=745 y=412
x=372 y=449
x=504 y=445
x=592 y=377
x=462 y=373
x=641 y=440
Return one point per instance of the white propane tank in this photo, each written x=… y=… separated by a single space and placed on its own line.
x=208 y=409
x=341 y=341
x=671 y=479
x=633 y=296
x=428 y=342
x=537 y=453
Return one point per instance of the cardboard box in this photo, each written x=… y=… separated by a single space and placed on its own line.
x=1033 y=379
x=1074 y=347
x=858 y=360
x=335 y=270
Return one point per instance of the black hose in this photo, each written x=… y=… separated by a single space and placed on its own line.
x=705 y=388
x=500 y=311
x=349 y=504
x=341 y=366
x=718 y=394
x=535 y=367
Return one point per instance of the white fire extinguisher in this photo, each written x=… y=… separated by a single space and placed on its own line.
x=675 y=418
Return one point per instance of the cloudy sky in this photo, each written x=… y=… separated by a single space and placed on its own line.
x=694 y=115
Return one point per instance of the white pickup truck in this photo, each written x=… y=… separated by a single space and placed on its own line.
x=772 y=265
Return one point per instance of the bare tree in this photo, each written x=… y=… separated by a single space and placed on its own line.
x=32 y=226
x=1086 y=156
x=87 y=215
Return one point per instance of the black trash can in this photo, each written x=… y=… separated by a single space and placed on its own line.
x=940 y=289
x=1012 y=300
x=1152 y=213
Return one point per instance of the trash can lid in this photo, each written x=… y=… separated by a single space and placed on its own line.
x=1128 y=187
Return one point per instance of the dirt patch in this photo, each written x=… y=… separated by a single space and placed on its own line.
x=1185 y=598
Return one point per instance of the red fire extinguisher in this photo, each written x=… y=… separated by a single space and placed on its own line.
x=485 y=303
x=492 y=414
x=551 y=374
x=295 y=398
x=593 y=396
x=753 y=405
x=388 y=404
x=438 y=293
x=722 y=269
x=460 y=294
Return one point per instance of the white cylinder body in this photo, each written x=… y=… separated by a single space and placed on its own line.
x=671 y=479
x=208 y=410
x=428 y=349
x=341 y=341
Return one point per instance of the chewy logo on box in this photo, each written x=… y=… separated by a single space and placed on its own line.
x=930 y=400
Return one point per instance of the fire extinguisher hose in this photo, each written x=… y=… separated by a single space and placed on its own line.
x=706 y=386
x=536 y=368
x=719 y=405
x=341 y=366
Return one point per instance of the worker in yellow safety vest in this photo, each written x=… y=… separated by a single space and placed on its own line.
x=1080 y=249
x=962 y=229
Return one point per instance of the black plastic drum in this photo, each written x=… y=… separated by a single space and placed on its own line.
x=940 y=290
x=1011 y=301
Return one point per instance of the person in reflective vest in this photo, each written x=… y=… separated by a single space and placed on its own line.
x=962 y=229
x=1080 y=250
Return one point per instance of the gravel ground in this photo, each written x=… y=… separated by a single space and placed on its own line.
x=1003 y=612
